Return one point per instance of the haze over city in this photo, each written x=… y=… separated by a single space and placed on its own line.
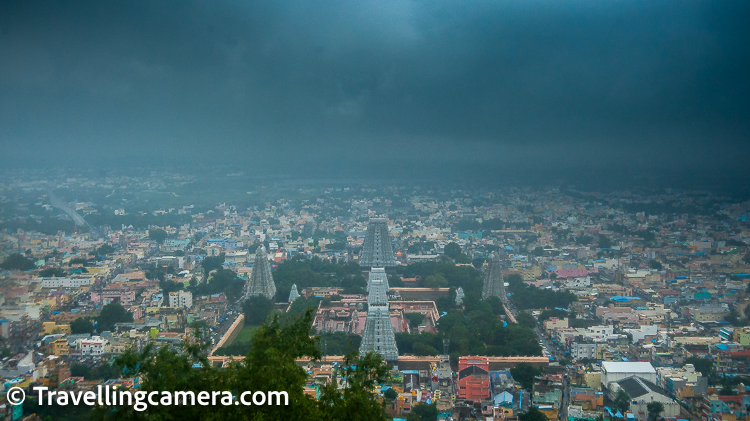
x=402 y=88
x=375 y=210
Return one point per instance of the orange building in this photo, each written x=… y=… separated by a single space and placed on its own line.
x=473 y=378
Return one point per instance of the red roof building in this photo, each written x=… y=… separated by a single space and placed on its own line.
x=473 y=378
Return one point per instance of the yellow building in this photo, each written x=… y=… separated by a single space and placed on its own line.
x=60 y=347
x=51 y=328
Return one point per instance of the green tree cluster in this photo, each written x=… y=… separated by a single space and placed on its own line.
x=532 y=414
x=270 y=365
x=528 y=296
x=622 y=401
x=466 y=277
x=223 y=281
x=316 y=272
x=157 y=234
x=81 y=325
x=654 y=409
x=474 y=331
x=103 y=371
x=112 y=314
x=524 y=374
x=256 y=308
x=52 y=273
x=339 y=343
x=423 y=412
x=17 y=262
x=454 y=251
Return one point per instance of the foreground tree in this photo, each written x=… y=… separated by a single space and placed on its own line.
x=524 y=373
x=423 y=412
x=256 y=308
x=654 y=410
x=622 y=401
x=269 y=366
x=533 y=414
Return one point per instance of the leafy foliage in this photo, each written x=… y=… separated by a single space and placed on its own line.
x=474 y=331
x=705 y=366
x=454 y=251
x=622 y=401
x=158 y=235
x=526 y=319
x=255 y=309
x=654 y=410
x=528 y=296
x=17 y=262
x=465 y=277
x=532 y=414
x=317 y=272
x=52 y=273
x=423 y=412
x=104 y=371
x=212 y=263
x=111 y=314
x=339 y=343
x=524 y=373
x=81 y=325
x=268 y=366
x=223 y=281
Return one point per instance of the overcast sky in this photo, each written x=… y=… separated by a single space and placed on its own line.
x=341 y=83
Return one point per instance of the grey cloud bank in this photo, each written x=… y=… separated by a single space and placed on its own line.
x=391 y=84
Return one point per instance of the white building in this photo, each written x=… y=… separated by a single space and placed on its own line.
x=92 y=346
x=642 y=392
x=581 y=282
x=65 y=282
x=641 y=333
x=181 y=299
x=616 y=371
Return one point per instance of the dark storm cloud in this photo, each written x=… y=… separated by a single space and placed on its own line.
x=413 y=83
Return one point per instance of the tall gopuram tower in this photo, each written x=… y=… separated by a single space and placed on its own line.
x=261 y=280
x=378 y=335
x=377 y=250
x=378 y=274
x=293 y=294
x=493 y=280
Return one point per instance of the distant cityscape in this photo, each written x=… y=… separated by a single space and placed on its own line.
x=494 y=304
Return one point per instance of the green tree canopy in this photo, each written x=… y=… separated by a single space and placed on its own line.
x=255 y=309
x=111 y=314
x=524 y=374
x=157 y=234
x=270 y=365
x=435 y=281
x=654 y=410
x=532 y=414
x=105 y=249
x=703 y=365
x=212 y=263
x=81 y=325
x=17 y=262
x=423 y=412
x=415 y=319
x=525 y=318
x=622 y=401
x=52 y=273
x=454 y=251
